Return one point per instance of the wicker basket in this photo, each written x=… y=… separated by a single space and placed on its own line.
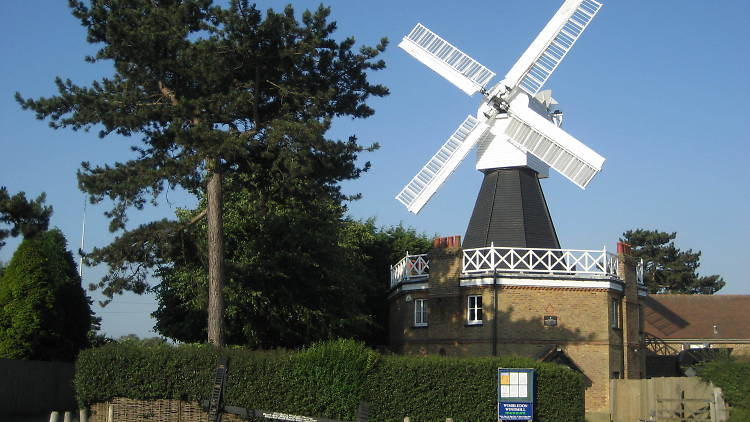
x=129 y=410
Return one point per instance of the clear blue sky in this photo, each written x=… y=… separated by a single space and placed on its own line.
x=659 y=89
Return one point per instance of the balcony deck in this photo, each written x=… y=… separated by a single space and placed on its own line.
x=578 y=263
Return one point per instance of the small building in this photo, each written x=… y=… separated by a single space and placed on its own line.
x=676 y=323
x=582 y=308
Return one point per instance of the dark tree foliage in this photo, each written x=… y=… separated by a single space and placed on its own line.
x=381 y=248
x=26 y=217
x=44 y=312
x=211 y=92
x=290 y=276
x=667 y=268
x=295 y=274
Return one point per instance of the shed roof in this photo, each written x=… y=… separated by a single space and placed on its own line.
x=697 y=316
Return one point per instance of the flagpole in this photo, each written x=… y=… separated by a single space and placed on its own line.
x=83 y=234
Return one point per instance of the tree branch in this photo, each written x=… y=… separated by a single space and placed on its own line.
x=168 y=93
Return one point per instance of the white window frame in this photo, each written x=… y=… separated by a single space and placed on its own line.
x=616 y=313
x=420 y=312
x=474 y=310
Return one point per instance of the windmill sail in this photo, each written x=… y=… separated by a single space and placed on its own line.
x=551 y=46
x=445 y=59
x=420 y=189
x=559 y=150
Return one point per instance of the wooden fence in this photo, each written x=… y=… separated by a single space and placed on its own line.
x=30 y=387
x=666 y=399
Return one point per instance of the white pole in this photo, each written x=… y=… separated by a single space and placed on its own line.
x=83 y=234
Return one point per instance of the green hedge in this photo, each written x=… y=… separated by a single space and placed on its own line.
x=733 y=377
x=432 y=388
x=328 y=379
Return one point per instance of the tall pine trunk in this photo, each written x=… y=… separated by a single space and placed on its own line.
x=215 y=256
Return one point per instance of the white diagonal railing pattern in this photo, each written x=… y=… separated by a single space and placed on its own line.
x=639 y=272
x=531 y=260
x=410 y=267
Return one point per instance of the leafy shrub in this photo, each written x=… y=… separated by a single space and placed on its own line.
x=330 y=378
x=138 y=372
x=433 y=388
x=733 y=377
x=327 y=379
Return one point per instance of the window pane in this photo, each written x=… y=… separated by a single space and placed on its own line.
x=474 y=309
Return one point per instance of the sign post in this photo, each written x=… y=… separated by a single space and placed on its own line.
x=515 y=394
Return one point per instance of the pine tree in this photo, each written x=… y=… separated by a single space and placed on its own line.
x=44 y=312
x=24 y=216
x=667 y=268
x=209 y=91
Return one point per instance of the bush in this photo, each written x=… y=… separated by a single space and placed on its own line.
x=144 y=372
x=44 y=311
x=328 y=379
x=433 y=388
x=733 y=378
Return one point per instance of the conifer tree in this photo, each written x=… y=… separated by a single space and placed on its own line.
x=667 y=268
x=44 y=312
x=209 y=91
x=26 y=217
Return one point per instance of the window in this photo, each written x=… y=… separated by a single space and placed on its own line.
x=616 y=313
x=420 y=312
x=474 y=310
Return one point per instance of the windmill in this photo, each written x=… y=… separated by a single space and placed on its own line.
x=516 y=132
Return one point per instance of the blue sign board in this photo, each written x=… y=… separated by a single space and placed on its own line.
x=515 y=394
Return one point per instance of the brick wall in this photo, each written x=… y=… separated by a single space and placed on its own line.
x=584 y=329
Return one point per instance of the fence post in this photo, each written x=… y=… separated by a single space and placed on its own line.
x=448 y=419
x=83 y=415
x=407 y=419
x=110 y=413
x=54 y=417
x=67 y=417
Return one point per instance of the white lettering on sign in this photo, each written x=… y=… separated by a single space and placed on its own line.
x=285 y=417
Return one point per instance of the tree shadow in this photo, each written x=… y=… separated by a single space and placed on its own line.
x=661 y=317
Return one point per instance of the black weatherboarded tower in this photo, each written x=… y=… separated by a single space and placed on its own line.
x=511 y=212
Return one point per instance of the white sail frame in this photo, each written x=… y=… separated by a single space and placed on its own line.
x=426 y=182
x=544 y=54
x=444 y=58
x=558 y=149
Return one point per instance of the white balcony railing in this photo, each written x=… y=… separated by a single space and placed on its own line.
x=576 y=262
x=410 y=268
x=531 y=260
x=639 y=272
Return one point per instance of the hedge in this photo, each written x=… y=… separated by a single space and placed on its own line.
x=733 y=377
x=432 y=388
x=327 y=380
